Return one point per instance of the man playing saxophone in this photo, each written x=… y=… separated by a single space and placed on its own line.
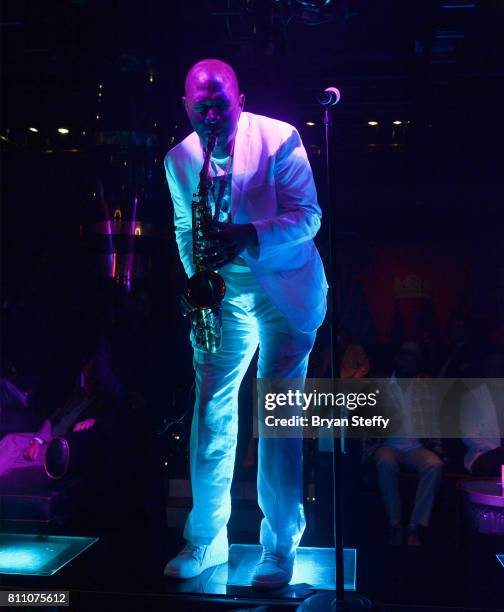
x=264 y=218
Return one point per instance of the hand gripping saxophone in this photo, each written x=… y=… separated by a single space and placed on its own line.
x=205 y=289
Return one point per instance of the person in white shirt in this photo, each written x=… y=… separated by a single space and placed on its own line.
x=481 y=416
x=406 y=451
x=262 y=245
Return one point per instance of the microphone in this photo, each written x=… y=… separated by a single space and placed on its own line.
x=330 y=97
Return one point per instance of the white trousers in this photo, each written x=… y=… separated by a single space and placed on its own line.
x=249 y=319
x=429 y=468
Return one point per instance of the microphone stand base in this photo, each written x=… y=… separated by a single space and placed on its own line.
x=326 y=602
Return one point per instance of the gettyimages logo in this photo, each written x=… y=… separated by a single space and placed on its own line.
x=318 y=410
x=316 y=399
x=383 y=408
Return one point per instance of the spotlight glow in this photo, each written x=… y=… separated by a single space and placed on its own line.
x=397 y=122
x=310 y=123
x=63 y=130
x=32 y=129
x=19 y=559
x=314 y=566
x=39 y=554
x=373 y=123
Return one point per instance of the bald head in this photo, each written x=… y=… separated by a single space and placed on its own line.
x=211 y=70
x=213 y=102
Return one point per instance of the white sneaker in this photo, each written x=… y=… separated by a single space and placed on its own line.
x=274 y=571
x=194 y=559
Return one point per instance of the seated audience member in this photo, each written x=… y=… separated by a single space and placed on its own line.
x=429 y=345
x=457 y=363
x=20 y=450
x=11 y=395
x=406 y=451
x=481 y=417
x=13 y=405
x=354 y=362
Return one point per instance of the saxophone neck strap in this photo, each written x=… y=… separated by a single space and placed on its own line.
x=224 y=183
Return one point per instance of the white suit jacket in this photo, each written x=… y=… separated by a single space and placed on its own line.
x=273 y=188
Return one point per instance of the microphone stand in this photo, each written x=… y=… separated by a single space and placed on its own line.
x=339 y=600
x=333 y=342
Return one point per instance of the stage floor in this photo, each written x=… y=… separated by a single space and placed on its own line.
x=124 y=569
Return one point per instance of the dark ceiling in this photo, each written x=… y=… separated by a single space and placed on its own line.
x=437 y=66
x=413 y=59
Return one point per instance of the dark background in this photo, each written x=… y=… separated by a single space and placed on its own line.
x=419 y=205
x=434 y=179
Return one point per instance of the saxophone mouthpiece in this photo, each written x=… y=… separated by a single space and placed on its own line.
x=212 y=141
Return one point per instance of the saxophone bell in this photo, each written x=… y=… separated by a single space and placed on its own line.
x=205 y=290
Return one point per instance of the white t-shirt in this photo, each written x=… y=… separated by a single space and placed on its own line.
x=405 y=439
x=220 y=192
x=479 y=424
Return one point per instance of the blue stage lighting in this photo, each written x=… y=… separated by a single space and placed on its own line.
x=39 y=555
x=314 y=566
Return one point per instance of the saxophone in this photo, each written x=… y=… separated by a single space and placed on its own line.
x=205 y=289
